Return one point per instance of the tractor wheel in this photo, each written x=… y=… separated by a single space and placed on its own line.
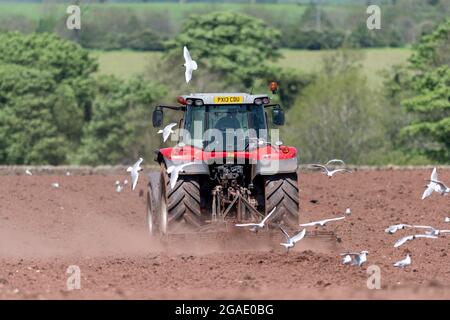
x=281 y=191
x=180 y=206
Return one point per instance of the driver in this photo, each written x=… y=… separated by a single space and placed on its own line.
x=229 y=121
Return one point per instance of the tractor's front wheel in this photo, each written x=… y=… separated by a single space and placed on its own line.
x=281 y=191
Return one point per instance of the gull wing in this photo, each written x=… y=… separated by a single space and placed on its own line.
x=186 y=55
x=246 y=224
x=170 y=169
x=428 y=191
x=319 y=166
x=173 y=178
x=434 y=175
x=429 y=236
x=138 y=163
x=285 y=233
x=134 y=178
x=340 y=170
x=309 y=224
x=188 y=74
x=423 y=227
x=440 y=183
x=401 y=241
x=335 y=160
x=332 y=219
x=268 y=216
x=298 y=236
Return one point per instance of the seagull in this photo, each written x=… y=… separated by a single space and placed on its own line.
x=403 y=263
x=119 y=188
x=291 y=241
x=28 y=172
x=447 y=219
x=401 y=241
x=167 y=131
x=394 y=228
x=335 y=160
x=435 y=232
x=348 y=211
x=321 y=222
x=431 y=186
x=190 y=64
x=68 y=173
x=125 y=182
x=174 y=172
x=55 y=185
x=256 y=226
x=328 y=172
x=134 y=171
x=358 y=257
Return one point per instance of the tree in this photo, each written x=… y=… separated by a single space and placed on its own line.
x=336 y=115
x=28 y=134
x=429 y=132
x=118 y=130
x=230 y=44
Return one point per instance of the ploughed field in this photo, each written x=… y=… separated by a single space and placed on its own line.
x=84 y=222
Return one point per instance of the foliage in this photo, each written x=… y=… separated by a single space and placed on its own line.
x=429 y=132
x=336 y=116
x=28 y=134
x=120 y=117
x=229 y=44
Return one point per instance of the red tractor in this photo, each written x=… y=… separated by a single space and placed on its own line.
x=238 y=171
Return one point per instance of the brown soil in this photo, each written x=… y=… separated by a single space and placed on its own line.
x=43 y=230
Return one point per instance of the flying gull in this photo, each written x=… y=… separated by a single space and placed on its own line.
x=329 y=172
x=134 y=171
x=403 y=240
x=291 y=241
x=256 y=226
x=189 y=64
x=167 y=131
x=320 y=222
x=174 y=171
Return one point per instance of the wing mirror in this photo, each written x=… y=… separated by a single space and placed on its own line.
x=277 y=116
x=157 y=118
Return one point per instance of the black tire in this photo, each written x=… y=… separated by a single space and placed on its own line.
x=281 y=191
x=154 y=203
x=183 y=202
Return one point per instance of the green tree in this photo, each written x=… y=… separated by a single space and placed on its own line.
x=28 y=134
x=336 y=115
x=429 y=132
x=120 y=124
x=233 y=45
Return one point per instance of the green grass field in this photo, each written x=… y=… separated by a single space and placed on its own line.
x=126 y=63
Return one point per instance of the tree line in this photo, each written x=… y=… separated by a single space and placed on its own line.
x=55 y=109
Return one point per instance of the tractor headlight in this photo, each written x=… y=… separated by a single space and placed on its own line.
x=258 y=101
x=189 y=102
x=199 y=102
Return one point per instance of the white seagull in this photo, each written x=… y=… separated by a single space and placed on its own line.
x=431 y=186
x=320 y=222
x=28 y=172
x=329 y=172
x=401 y=241
x=358 y=257
x=189 y=64
x=167 y=131
x=335 y=160
x=134 y=171
x=403 y=263
x=291 y=241
x=394 y=228
x=256 y=226
x=447 y=219
x=435 y=232
x=174 y=171
x=348 y=211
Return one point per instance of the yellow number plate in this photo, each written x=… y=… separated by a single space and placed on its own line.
x=228 y=99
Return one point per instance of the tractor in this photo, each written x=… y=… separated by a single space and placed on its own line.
x=238 y=170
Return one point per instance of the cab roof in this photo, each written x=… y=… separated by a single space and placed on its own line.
x=209 y=98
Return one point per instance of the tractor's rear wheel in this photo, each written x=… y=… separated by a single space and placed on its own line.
x=281 y=191
x=180 y=206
